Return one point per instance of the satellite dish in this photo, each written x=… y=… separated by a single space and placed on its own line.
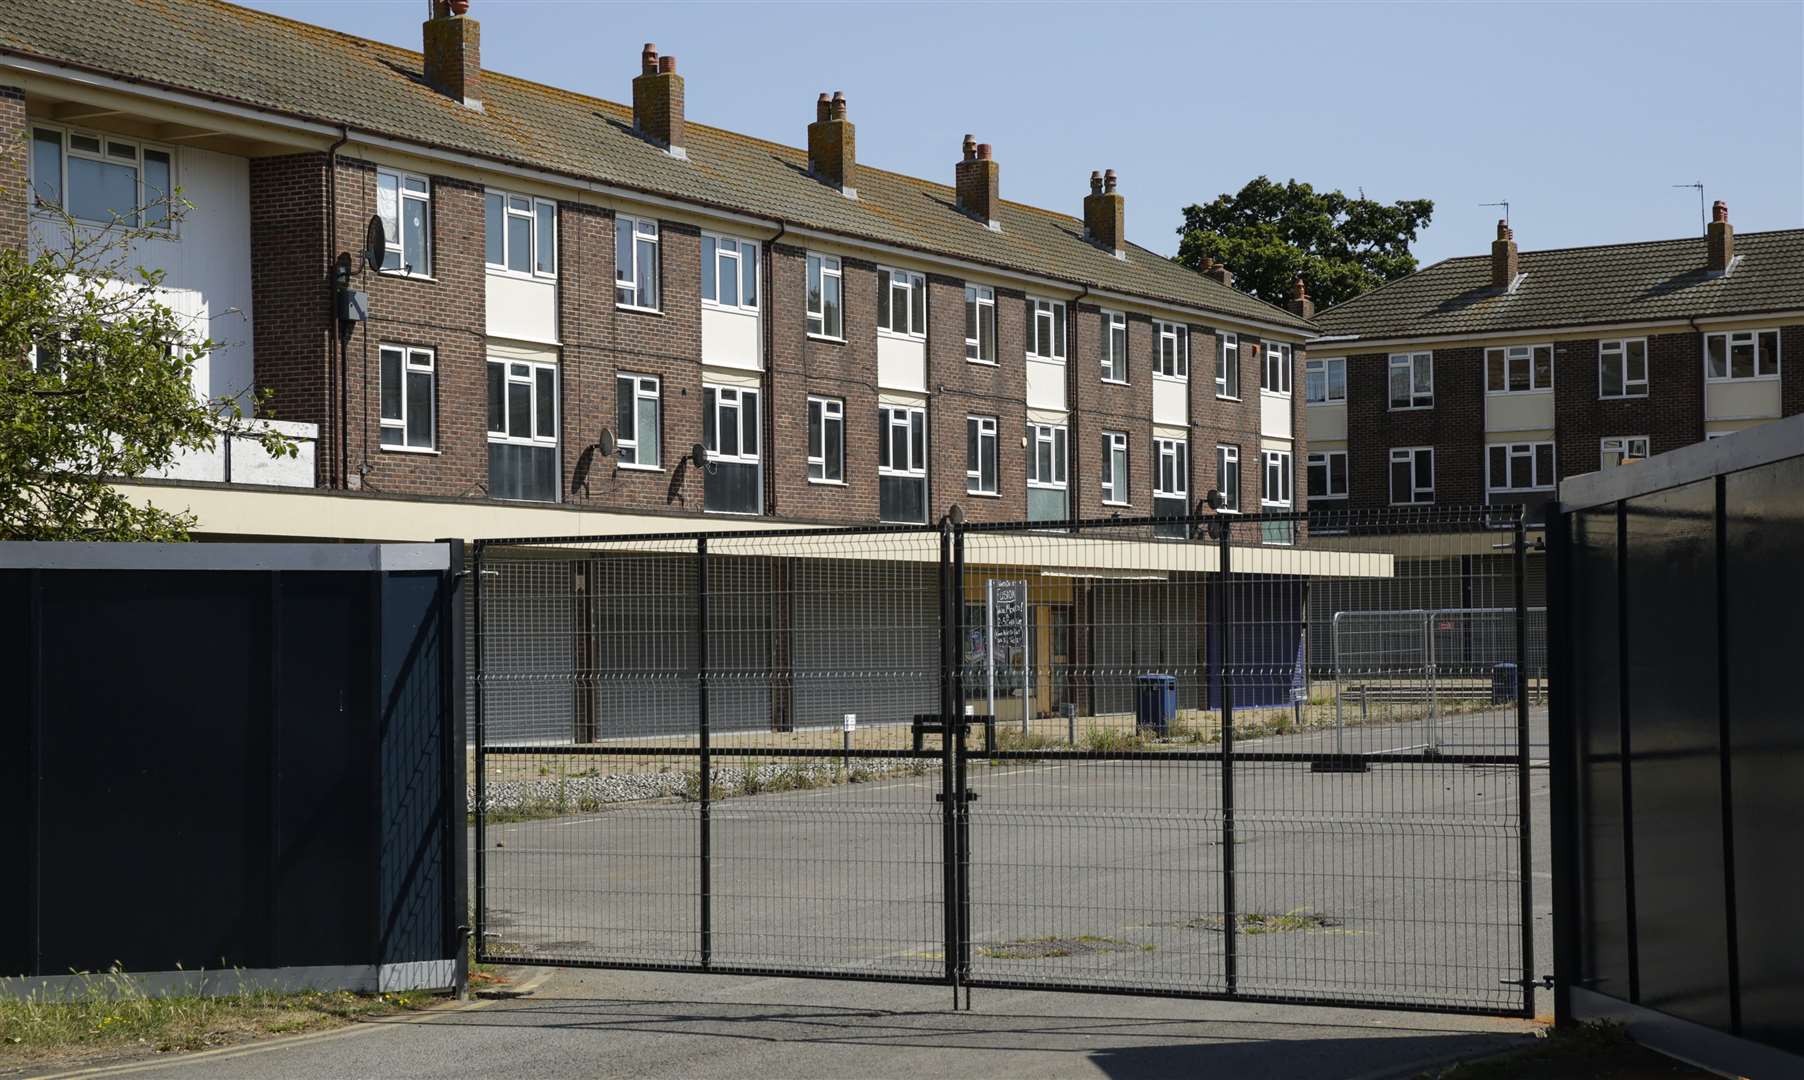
x=1215 y=499
x=956 y=514
x=375 y=242
x=699 y=454
x=604 y=443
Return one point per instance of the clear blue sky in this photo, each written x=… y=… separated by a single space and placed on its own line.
x=1582 y=115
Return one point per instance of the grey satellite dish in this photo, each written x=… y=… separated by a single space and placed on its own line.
x=1215 y=499
x=604 y=443
x=375 y=242
x=699 y=454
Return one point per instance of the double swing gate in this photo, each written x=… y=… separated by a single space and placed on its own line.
x=1110 y=758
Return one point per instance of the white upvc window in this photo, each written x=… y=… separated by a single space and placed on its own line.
x=1325 y=381
x=404 y=203
x=636 y=413
x=1519 y=369
x=1278 y=366
x=1276 y=479
x=1045 y=329
x=1519 y=467
x=408 y=418
x=826 y=440
x=733 y=482
x=523 y=430
x=826 y=297
x=1741 y=354
x=1412 y=380
x=1616 y=449
x=902 y=463
x=1327 y=475
x=980 y=455
x=1171 y=485
x=519 y=235
x=980 y=323
x=1227 y=366
x=1047 y=490
x=1114 y=346
x=1622 y=368
x=1114 y=468
x=729 y=272
x=901 y=302
x=1227 y=476
x=102 y=178
x=1171 y=350
x=1412 y=475
x=636 y=262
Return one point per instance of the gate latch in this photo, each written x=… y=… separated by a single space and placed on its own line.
x=1545 y=982
x=967 y=796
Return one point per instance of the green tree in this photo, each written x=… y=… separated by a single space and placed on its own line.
x=1270 y=233
x=96 y=385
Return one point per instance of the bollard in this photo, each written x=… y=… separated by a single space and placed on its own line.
x=850 y=725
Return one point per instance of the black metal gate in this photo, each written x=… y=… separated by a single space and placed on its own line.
x=1213 y=758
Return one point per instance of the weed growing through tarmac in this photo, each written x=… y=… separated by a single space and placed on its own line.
x=1046 y=948
x=1256 y=922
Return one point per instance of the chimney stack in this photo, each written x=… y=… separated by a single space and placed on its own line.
x=1720 y=239
x=977 y=182
x=1218 y=272
x=833 y=144
x=452 y=52
x=1105 y=214
x=1300 y=304
x=658 y=100
x=1503 y=257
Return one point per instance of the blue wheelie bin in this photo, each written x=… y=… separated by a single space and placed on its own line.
x=1156 y=703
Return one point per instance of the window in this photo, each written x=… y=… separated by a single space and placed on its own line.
x=826 y=316
x=1519 y=369
x=636 y=413
x=1622 y=368
x=407 y=418
x=1519 y=466
x=1227 y=476
x=1275 y=481
x=523 y=407
x=980 y=323
x=1325 y=381
x=1171 y=485
x=1114 y=347
x=1227 y=366
x=1412 y=475
x=1046 y=487
x=1045 y=329
x=1115 y=468
x=1412 y=380
x=1328 y=475
x=1278 y=368
x=729 y=272
x=1745 y=354
x=901 y=302
x=980 y=455
x=732 y=483
x=520 y=235
x=902 y=463
x=826 y=440
x=102 y=179
x=636 y=263
x=1171 y=355
x=404 y=203
x=1620 y=448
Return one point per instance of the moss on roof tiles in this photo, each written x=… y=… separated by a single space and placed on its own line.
x=293 y=68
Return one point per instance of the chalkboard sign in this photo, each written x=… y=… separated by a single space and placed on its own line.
x=1008 y=615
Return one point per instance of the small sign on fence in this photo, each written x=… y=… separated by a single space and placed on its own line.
x=851 y=721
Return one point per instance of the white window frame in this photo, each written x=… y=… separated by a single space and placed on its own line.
x=645 y=388
x=1411 y=455
x=822 y=269
x=1511 y=354
x=914 y=283
x=1753 y=339
x=1225 y=455
x=1408 y=361
x=986 y=434
x=67 y=150
x=1325 y=458
x=903 y=417
x=1116 y=486
x=1528 y=451
x=532 y=214
x=640 y=281
x=1631 y=388
x=1177 y=451
x=396 y=246
x=1058 y=437
x=1622 y=446
x=1114 y=347
x=1046 y=328
x=1227 y=366
x=1325 y=367
x=1282 y=465
x=1277 y=369
x=510 y=376
x=831 y=410
x=980 y=303
x=743 y=255
x=736 y=394
x=413 y=360
x=1176 y=367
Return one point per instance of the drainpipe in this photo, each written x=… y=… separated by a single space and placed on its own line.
x=344 y=446
x=769 y=433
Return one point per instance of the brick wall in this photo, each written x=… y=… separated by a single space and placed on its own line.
x=1224 y=421
x=1671 y=415
x=963 y=388
x=1791 y=369
x=291 y=294
x=13 y=168
x=1454 y=427
x=1101 y=407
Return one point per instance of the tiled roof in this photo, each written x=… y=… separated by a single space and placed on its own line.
x=1663 y=279
x=252 y=58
